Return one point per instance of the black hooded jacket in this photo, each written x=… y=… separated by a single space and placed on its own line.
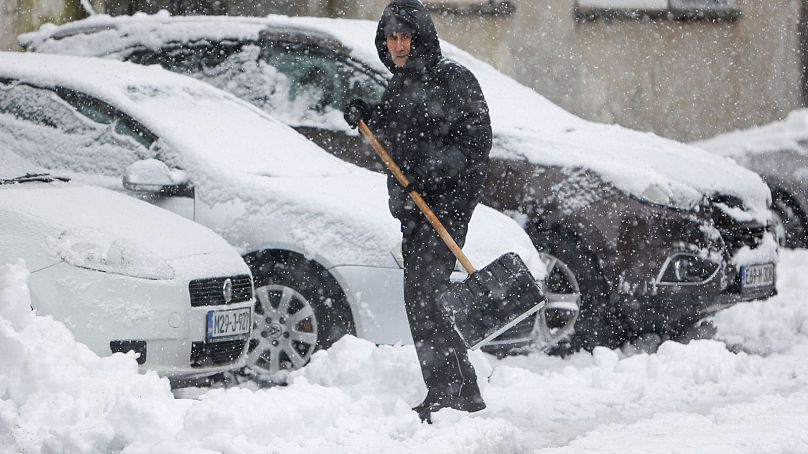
x=433 y=115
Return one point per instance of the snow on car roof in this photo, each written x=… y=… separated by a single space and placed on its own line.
x=526 y=125
x=185 y=113
x=788 y=134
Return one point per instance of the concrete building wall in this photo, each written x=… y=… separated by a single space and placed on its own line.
x=684 y=80
x=8 y=25
x=20 y=16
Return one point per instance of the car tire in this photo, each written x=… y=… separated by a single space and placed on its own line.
x=299 y=310
x=789 y=221
x=598 y=324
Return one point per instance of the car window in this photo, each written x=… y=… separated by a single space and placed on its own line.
x=299 y=85
x=38 y=107
x=104 y=114
x=326 y=73
x=54 y=133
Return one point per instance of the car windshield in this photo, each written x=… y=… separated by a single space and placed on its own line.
x=228 y=133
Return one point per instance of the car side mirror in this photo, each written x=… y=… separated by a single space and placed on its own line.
x=153 y=176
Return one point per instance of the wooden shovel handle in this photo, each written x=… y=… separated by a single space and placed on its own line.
x=419 y=201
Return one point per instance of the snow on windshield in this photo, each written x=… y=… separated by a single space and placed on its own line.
x=228 y=133
x=34 y=122
x=190 y=116
x=57 y=396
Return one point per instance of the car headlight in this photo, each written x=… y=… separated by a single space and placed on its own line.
x=661 y=195
x=87 y=248
x=687 y=268
x=655 y=193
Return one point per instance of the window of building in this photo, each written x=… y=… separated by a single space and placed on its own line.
x=588 y=10
x=482 y=7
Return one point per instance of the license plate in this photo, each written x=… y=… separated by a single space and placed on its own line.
x=757 y=275
x=224 y=325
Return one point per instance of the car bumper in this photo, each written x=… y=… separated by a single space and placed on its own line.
x=107 y=311
x=675 y=309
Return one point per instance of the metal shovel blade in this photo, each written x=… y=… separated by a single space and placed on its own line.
x=492 y=300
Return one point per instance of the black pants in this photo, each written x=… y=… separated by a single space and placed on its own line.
x=428 y=262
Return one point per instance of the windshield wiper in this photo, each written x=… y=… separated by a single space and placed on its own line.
x=29 y=177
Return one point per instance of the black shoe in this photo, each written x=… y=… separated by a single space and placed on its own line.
x=468 y=404
x=433 y=403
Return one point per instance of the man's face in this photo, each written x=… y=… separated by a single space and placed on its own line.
x=399 y=44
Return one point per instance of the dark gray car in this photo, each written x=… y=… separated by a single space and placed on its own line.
x=655 y=235
x=778 y=152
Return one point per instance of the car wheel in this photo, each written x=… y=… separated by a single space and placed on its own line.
x=297 y=312
x=598 y=324
x=563 y=292
x=789 y=223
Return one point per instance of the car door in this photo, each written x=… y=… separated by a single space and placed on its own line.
x=69 y=131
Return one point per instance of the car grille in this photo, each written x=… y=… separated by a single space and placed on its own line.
x=210 y=292
x=735 y=235
x=739 y=237
x=204 y=354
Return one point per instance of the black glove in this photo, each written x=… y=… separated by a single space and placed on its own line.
x=419 y=179
x=401 y=204
x=355 y=111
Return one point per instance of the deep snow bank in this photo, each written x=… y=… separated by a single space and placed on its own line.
x=776 y=325
x=56 y=396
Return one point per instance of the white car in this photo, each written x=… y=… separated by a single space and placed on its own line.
x=315 y=231
x=124 y=275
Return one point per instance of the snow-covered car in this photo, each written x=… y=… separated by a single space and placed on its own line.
x=654 y=234
x=778 y=151
x=315 y=231
x=124 y=275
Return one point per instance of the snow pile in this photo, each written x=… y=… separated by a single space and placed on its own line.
x=775 y=326
x=56 y=396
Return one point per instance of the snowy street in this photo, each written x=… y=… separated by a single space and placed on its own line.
x=57 y=396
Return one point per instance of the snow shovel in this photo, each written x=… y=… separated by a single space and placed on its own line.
x=491 y=300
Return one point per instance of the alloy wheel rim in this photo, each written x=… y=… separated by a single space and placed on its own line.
x=569 y=301
x=284 y=334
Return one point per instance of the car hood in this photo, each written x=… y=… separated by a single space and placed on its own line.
x=69 y=215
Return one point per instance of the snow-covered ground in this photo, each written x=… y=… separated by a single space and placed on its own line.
x=57 y=396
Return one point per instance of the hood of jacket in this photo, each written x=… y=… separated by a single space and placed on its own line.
x=425 y=45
